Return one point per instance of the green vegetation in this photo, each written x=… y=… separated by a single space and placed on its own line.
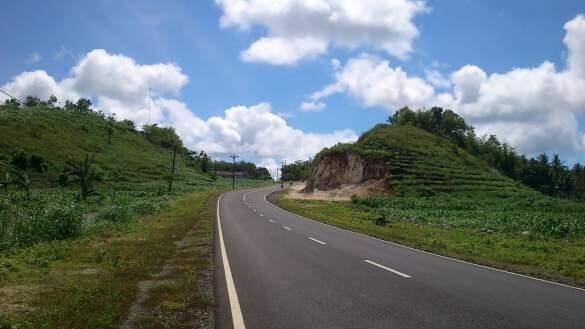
x=296 y=171
x=65 y=170
x=42 y=141
x=425 y=164
x=93 y=281
x=547 y=257
x=249 y=169
x=549 y=176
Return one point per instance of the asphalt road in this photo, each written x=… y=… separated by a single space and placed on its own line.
x=286 y=271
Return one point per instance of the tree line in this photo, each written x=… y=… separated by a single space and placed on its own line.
x=248 y=168
x=547 y=174
x=296 y=171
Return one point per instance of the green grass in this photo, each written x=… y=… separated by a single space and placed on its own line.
x=559 y=259
x=90 y=282
x=58 y=135
x=424 y=164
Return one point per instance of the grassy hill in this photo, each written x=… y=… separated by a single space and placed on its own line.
x=422 y=163
x=56 y=135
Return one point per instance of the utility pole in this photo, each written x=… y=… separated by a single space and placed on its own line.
x=234 y=157
x=173 y=168
x=282 y=174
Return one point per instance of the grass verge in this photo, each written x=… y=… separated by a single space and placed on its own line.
x=157 y=265
x=561 y=260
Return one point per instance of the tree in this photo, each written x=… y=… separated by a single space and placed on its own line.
x=12 y=103
x=83 y=105
x=403 y=116
x=84 y=172
x=24 y=161
x=204 y=162
x=128 y=125
x=163 y=136
x=32 y=101
x=52 y=101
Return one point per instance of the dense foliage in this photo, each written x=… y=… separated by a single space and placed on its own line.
x=296 y=171
x=546 y=174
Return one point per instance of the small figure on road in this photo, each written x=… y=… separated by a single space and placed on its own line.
x=291 y=183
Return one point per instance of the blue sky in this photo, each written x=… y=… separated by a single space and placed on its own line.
x=494 y=36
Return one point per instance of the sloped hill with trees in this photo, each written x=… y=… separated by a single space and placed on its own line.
x=43 y=141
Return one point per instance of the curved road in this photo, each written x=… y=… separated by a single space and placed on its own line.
x=286 y=271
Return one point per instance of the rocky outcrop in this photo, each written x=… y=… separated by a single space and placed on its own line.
x=339 y=170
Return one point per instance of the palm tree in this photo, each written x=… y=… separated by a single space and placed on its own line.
x=85 y=173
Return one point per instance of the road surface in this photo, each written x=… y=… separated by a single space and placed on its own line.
x=285 y=271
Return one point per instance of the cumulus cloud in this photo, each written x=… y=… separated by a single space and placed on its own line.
x=120 y=86
x=435 y=78
x=301 y=29
x=40 y=84
x=256 y=129
x=312 y=106
x=375 y=83
x=534 y=109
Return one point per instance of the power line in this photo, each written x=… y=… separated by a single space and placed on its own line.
x=7 y=94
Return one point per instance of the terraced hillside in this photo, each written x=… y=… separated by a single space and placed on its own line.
x=424 y=164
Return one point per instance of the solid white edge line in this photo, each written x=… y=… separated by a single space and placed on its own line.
x=426 y=252
x=387 y=269
x=318 y=241
x=237 y=317
x=287 y=228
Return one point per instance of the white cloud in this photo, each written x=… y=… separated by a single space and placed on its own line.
x=574 y=40
x=120 y=86
x=435 y=78
x=118 y=77
x=33 y=58
x=312 y=106
x=282 y=51
x=373 y=82
x=257 y=130
x=40 y=84
x=534 y=109
x=468 y=80
x=301 y=29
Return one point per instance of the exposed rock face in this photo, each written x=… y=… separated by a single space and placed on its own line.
x=338 y=170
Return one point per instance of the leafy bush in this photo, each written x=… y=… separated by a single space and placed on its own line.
x=43 y=217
